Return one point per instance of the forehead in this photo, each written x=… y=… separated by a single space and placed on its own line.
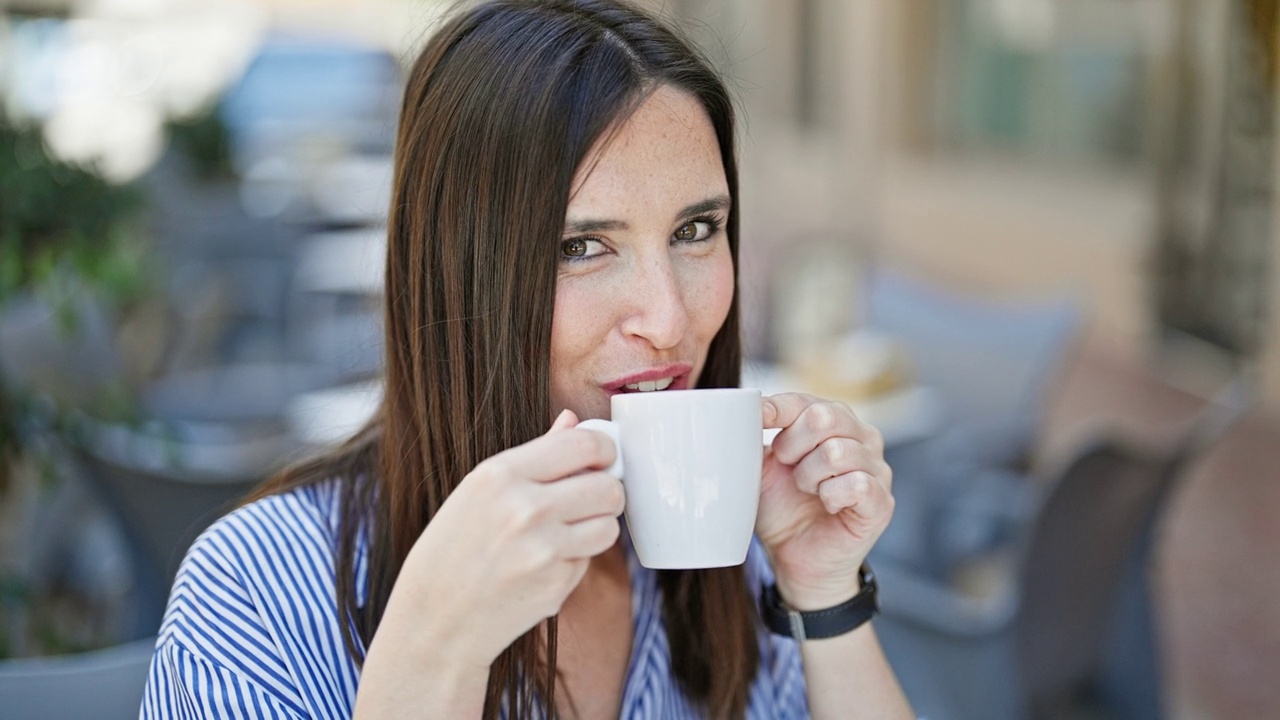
x=664 y=155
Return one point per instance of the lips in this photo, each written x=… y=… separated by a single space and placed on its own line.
x=667 y=377
x=650 y=385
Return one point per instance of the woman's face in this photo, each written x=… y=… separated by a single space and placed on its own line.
x=646 y=277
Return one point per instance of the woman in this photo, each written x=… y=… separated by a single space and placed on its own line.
x=564 y=224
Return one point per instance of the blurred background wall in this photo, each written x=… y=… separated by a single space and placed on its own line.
x=1024 y=147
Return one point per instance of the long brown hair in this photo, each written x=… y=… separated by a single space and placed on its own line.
x=500 y=109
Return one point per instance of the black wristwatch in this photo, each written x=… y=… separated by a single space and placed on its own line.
x=818 y=624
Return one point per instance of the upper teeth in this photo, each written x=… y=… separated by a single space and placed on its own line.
x=651 y=385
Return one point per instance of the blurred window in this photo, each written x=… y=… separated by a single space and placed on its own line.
x=1057 y=78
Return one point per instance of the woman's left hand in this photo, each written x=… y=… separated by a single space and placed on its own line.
x=824 y=498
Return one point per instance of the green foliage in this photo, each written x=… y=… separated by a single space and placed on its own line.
x=204 y=140
x=57 y=215
x=62 y=228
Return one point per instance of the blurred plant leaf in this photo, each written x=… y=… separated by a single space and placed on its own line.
x=204 y=139
x=63 y=229
x=56 y=212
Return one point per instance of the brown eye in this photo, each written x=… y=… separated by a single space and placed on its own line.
x=687 y=231
x=575 y=247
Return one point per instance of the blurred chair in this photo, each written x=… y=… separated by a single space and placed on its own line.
x=992 y=362
x=102 y=684
x=41 y=353
x=215 y=434
x=72 y=549
x=1044 y=641
x=229 y=309
x=164 y=504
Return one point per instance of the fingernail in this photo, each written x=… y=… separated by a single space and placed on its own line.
x=770 y=412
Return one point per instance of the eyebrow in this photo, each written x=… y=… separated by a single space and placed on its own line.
x=719 y=202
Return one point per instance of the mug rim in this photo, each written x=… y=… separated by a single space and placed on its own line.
x=702 y=392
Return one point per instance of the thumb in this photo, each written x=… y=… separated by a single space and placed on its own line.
x=769 y=410
x=565 y=420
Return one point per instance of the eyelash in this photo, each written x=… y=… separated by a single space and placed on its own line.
x=713 y=223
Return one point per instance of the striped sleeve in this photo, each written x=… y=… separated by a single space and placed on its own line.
x=186 y=686
x=251 y=629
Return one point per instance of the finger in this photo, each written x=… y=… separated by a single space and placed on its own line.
x=781 y=410
x=884 y=473
x=560 y=581
x=554 y=456
x=864 y=502
x=588 y=538
x=832 y=457
x=784 y=410
x=817 y=422
x=566 y=419
x=584 y=496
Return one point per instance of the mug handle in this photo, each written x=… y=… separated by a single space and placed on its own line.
x=610 y=428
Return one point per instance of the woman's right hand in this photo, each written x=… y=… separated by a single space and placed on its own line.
x=502 y=554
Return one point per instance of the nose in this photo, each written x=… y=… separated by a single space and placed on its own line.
x=657 y=312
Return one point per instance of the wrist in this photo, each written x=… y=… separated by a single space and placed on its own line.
x=400 y=678
x=808 y=596
x=429 y=636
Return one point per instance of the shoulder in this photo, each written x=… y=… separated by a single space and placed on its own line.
x=261 y=536
x=254 y=609
x=265 y=559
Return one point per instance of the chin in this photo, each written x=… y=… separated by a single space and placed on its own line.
x=584 y=408
x=602 y=411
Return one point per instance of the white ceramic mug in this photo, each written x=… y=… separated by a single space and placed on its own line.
x=690 y=462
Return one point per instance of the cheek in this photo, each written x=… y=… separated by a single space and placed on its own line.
x=565 y=330
x=578 y=322
x=713 y=294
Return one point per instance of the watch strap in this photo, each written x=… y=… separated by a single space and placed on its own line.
x=818 y=624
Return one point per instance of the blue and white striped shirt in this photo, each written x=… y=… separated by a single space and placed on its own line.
x=252 y=627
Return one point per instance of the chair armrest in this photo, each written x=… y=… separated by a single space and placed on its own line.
x=913 y=599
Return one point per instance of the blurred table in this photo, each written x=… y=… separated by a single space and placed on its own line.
x=902 y=415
